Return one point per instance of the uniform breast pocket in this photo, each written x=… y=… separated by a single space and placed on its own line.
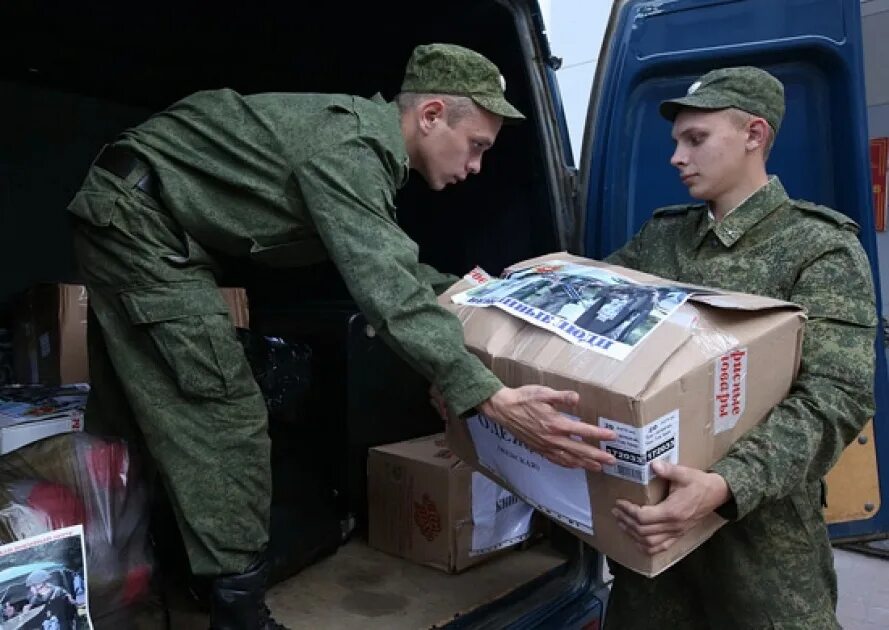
x=191 y=329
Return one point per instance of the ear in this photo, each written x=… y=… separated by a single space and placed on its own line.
x=758 y=134
x=431 y=114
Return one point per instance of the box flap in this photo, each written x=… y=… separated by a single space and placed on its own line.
x=521 y=352
x=430 y=449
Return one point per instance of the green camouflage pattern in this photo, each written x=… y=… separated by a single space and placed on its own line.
x=278 y=179
x=288 y=180
x=170 y=375
x=771 y=566
x=747 y=88
x=451 y=69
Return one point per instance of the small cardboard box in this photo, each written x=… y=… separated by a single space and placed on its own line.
x=32 y=412
x=427 y=506
x=703 y=377
x=50 y=335
x=50 y=332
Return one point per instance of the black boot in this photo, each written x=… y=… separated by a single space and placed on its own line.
x=237 y=601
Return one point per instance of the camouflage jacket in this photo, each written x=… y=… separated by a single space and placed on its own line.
x=800 y=252
x=293 y=179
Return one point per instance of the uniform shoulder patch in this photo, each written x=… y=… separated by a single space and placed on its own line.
x=826 y=214
x=674 y=211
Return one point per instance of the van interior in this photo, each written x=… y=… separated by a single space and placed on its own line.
x=74 y=75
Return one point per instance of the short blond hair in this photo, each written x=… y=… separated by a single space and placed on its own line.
x=740 y=118
x=457 y=107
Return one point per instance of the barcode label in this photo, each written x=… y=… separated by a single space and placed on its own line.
x=636 y=447
x=629 y=473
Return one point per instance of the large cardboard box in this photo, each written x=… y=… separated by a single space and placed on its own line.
x=50 y=332
x=701 y=379
x=428 y=506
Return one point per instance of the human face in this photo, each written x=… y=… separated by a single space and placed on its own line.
x=711 y=153
x=449 y=154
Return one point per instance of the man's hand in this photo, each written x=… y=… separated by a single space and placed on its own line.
x=693 y=495
x=533 y=415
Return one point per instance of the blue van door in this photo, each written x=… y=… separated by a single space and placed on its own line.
x=655 y=50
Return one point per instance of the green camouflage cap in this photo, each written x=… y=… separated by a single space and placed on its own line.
x=450 y=69
x=746 y=88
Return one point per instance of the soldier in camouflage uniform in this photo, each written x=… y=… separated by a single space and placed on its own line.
x=771 y=565
x=283 y=180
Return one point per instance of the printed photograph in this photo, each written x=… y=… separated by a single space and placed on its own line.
x=43 y=582
x=604 y=304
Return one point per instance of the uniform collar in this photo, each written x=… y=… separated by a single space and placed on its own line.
x=739 y=221
x=402 y=155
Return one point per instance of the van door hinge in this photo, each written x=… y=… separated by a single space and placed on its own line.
x=571 y=181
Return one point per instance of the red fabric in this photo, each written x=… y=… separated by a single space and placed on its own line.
x=107 y=464
x=136 y=583
x=63 y=507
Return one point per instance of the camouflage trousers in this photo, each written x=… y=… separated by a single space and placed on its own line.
x=168 y=371
x=771 y=569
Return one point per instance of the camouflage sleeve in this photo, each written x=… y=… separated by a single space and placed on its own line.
x=440 y=282
x=831 y=399
x=628 y=255
x=349 y=192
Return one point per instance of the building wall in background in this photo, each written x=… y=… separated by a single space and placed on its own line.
x=576 y=29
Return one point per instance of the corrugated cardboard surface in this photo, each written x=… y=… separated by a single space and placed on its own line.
x=420 y=504
x=676 y=370
x=50 y=335
x=239 y=308
x=49 y=343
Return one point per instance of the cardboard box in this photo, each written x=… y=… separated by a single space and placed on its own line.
x=428 y=506
x=50 y=332
x=50 y=335
x=29 y=413
x=700 y=380
x=238 y=306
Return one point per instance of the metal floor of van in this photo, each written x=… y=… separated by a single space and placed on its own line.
x=359 y=587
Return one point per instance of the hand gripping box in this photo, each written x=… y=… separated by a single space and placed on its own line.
x=705 y=374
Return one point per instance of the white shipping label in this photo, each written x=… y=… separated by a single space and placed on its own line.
x=499 y=517
x=729 y=389
x=637 y=447
x=560 y=493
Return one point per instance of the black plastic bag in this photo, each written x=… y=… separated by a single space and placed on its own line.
x=283 y=371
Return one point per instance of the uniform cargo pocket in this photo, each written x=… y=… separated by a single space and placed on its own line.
x=194 y=336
